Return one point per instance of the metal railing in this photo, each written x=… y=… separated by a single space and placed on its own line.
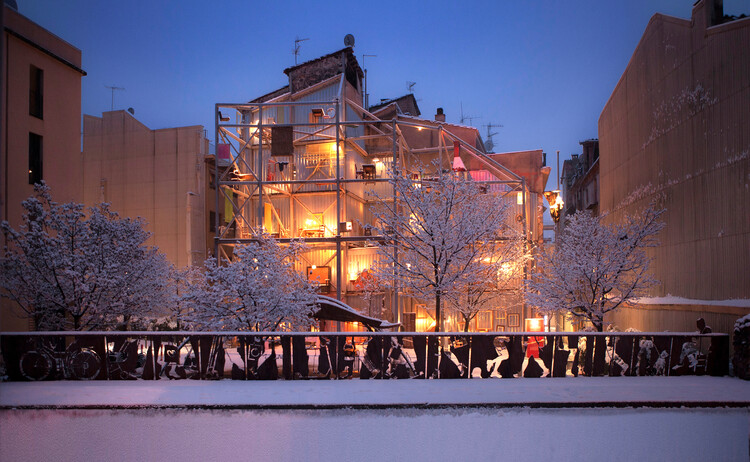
x=364 y=355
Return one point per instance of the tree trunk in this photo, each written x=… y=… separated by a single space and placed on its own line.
x=466 y=324
x=438 y=325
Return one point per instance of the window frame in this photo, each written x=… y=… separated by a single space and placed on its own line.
x=36 y=92
x=36 y=158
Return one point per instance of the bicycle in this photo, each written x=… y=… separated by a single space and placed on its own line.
x=75 y=362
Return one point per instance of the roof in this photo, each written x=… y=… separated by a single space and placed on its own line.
x=438 y=122
x=271 y=95
x=336 y=310
x=347 y=50
x=408 y=96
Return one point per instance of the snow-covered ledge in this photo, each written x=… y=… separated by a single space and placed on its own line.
x=379 y=419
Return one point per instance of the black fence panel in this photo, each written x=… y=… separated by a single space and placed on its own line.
x=34 y=356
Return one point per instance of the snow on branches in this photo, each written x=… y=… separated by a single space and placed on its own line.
x=442 y=239
x=259 y=290
x=595 y=268
x=69 y=271
x=500 y=275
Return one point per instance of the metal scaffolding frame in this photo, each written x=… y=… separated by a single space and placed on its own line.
x=331 y=139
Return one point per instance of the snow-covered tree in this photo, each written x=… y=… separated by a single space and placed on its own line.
x=258 y=290
x=440 y=235
x=595 y=268
x=72 y=271
x=499 y=276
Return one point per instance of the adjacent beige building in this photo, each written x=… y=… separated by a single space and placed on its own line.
x=677 y=130
x=158 y=175
x=40 y=120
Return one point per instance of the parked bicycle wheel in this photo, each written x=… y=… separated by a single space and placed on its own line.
x=35 y=365
x=84 y=364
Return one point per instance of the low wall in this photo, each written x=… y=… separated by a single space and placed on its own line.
x=676 y=318
x=384 y=434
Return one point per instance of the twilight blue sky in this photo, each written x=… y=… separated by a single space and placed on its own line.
x=544 y=69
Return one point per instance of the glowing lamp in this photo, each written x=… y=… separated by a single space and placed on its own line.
x=555 y=204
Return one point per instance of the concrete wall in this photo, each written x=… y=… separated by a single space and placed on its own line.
x=154 y=174
x=676 y=130
x=27 y=44
x=59 y=125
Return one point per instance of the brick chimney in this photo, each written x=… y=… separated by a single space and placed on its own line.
x=440 y=117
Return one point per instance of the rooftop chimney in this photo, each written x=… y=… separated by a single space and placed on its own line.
x=440 y=117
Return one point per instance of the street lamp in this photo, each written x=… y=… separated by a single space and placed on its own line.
x=555 y=204
x=553 y=197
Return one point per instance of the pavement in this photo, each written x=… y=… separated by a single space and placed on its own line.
x=580 y=392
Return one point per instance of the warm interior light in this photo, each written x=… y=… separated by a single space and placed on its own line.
x=309 y=223
x=519 y=198
x=420 y=128
x=314 y=267
x=535 y=325
x=423 y=324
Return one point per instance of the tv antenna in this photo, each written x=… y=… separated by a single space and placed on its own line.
x=113 y=88
x=367 y=96
x=297 y=42
x=489 y=144
x=465 y=117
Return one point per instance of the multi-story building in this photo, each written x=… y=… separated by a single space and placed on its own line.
x=40 y=120
x=580 y=180
x=158 y=175
x=675 y=130
x=307 y=161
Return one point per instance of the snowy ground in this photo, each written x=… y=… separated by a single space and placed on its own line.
x=663 y=418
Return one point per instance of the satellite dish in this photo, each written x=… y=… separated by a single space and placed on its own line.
x=349 y=40
x=131 y=110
